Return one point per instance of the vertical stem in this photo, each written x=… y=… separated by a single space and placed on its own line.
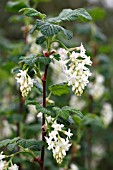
x=43 y=118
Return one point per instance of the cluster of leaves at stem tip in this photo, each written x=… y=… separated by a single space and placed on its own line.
x=51 y=26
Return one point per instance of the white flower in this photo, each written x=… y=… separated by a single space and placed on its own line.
x=35 y=49
x=57 y=127
x=40 y=114
x=53 y=135
x=2 y=165
x=76 y=70
x=107 y=113
x=63 y=53
x=25 y=82
x=97 y=89
x=2 y=156
x=57 y=144
x=77 y=103
x=68 y=133
x=13 y=167
x=74 y=167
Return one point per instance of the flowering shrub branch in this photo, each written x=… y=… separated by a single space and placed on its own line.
x=74 y=63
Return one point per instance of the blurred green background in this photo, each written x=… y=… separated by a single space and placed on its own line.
x=92 y=147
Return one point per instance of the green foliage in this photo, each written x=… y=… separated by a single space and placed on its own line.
x=97 y=13
x=33 y=58
x=11 y=146
x=39 y=107
x=15 y=6
x=66 y=111
x=93 y=120
x=40 y=40
x=30 y=12
x=71 y=15
x=59 y=89
x=38 y=85
x=8 y=141
x=31 y=144
x=29 y=60
x=49 y=29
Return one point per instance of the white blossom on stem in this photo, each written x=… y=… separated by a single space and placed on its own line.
x=75 y=69
x=56 y=143
x=25 y=82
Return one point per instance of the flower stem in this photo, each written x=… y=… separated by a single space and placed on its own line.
x=43 y=118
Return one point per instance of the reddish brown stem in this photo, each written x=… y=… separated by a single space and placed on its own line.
x=43 y=118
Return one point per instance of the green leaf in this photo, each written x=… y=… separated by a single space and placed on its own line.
x=59 y=89
x=31 y=102
x=49 y=29
x=8 y=141
x=11 y=147
x=38 y=85
x=15 y=6
x=16 y=70
x=29 y=60
x=72 y=110
x=71 y=15
x=77 y=120
x=32 y=59
x=40 y=108
x=31 y=12
x=40 y=40
x=61 y=112
x=30 y=143
x=44 y=60
x=92 y=119
x=65 y=112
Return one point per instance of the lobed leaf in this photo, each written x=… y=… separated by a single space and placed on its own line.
x=8 y=141
x=40 y=40
x=33 y=58
x=49 y=29
x=29 y=60
x=71 y=15
x=30 y=143
x=40 y=108
x=31 y=12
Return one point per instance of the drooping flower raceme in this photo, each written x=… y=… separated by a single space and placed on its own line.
x=75 y=68
x=56 y=143
x=25 y=82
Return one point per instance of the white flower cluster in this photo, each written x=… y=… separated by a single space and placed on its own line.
x=97 y=89
x=3 y=164
x=107 y=113
x=75 y=68
x=13 y=167
x=25 y=82
x=72 y=167
x=56 y=143
x=77 y=103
